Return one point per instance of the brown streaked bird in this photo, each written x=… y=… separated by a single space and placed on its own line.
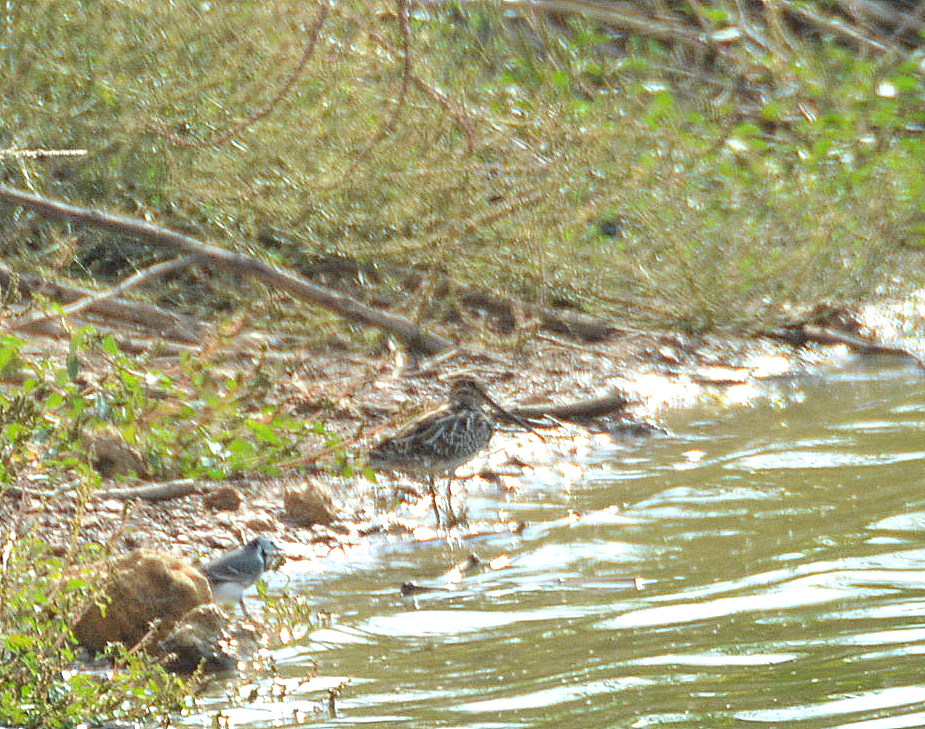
x=442 y=440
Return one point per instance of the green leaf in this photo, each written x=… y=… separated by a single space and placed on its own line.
x=109 y=345
x=264 y=433
x=73 y=364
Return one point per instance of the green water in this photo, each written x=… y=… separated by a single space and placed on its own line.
x=782 y=550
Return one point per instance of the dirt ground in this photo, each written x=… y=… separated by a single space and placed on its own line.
x=363 y=399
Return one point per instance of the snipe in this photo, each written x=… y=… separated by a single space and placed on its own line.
x=442 y=440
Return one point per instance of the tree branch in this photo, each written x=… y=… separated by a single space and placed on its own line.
x=407 y=331
x=94 y=299
x=166 y=324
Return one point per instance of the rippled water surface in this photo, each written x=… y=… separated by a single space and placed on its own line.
x=782 y=551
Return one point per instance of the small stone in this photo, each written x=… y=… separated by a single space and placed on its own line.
x=310 y=505
x=224 y=498
x=113 y=506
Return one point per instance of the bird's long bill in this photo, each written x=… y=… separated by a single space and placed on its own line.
x=515 y=418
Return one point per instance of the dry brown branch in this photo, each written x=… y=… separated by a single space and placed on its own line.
x=94 y=299
x=155 y=491
x=224 y=135
x=460 y=115
x=404 y=329
x=389 y=125
x=161 y=321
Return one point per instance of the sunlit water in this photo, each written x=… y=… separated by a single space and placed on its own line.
x=782 y=551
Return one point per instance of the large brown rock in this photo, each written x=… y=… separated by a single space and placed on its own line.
x=206 y=640
x=142 y=587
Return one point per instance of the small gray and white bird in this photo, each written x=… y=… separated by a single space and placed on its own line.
x=232 y=573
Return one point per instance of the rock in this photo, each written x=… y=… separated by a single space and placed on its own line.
x=111 y=455
x=143 y=586
x=204 y=638
x=310 y=505
x=224 y=498
x=261 y=524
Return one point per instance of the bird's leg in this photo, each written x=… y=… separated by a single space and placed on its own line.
x=244 y=610
x=463 y=516
x=433 y=498
x=451 y=519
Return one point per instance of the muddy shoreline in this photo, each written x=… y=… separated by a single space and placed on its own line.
x=362 y=399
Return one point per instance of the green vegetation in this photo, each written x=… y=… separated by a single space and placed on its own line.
x=650 y=180
x=41 y=683
x=733 y=178
x=196 y=422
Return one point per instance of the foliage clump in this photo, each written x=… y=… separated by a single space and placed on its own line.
x=43 y=682
x=549 y=158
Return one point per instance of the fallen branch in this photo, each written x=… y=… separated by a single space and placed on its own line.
x=803 y=334
x=579 y=410
x=156 y=491
x=403 y=328
x=93 y=299
x=164 y=323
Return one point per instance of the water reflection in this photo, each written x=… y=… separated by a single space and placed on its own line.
x=783 y=556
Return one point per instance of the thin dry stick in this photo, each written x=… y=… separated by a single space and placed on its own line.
x=292 y=283
x=41 y=153
x=832 y=24
x=131 y=282
x=168 y=325
x=457 y=111
x=389 y=125
x=155 y=491
x=223 y=136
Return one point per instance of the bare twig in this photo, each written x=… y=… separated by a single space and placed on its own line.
x=41 y=153
x=407 y=64
x=832 y=25
x=407 y=331
x=223 y=136
x=455 y=110
x=136 y=280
